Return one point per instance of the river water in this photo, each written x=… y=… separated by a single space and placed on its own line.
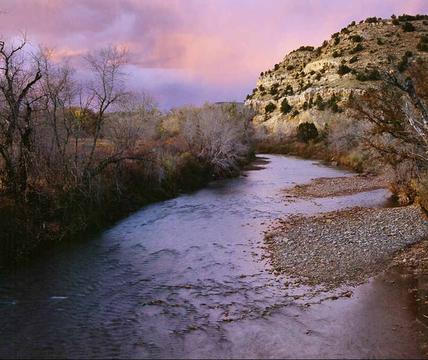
x=187 y=278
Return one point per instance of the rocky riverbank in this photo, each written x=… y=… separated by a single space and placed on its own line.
x=338 y=186
x=343 y=247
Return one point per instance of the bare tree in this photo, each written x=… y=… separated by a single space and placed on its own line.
x=398 y=114
x=217 y=135
x=19 y=73
x=105 y=90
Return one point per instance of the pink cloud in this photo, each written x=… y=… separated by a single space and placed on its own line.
x=219 y=46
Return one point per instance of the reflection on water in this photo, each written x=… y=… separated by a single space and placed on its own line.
x=186 y=278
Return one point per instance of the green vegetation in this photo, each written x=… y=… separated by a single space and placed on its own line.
x=380 y=41
x=306 y=48
x=285 y=106
x=353 y=59
x=369 y=75
x=359 y=47
x=372 y=20
x=357 y=38
x=288 y=90
x=408 y=27
x=404 y=63
x=270 y=107
x=274 y=89
x=343 y=69
x=423 y=43
x=406 y=17
x=307 y=131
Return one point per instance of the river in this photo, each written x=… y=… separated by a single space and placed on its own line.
x=187 y=278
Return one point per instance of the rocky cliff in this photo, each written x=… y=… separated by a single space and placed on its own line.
x=314 y=84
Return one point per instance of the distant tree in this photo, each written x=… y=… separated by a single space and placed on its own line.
x=17 y=101
x=357 y=38
x=343 y=69
x=357 y=48
x=270 y=107
x=307 y=131
x=408 y=27
x=285 y=106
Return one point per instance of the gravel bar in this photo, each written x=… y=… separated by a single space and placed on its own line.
x=337 y=186
x=343 y=247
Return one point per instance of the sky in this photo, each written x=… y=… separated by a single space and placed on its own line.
x=190 y=51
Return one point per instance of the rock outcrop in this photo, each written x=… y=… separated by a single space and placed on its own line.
x=314 y=84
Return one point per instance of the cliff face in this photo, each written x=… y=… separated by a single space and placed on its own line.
x=314 y=84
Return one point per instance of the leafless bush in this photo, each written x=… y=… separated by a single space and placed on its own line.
x=217 y=134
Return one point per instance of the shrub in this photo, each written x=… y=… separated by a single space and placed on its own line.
x=357 y=48
x=305 y=105
x=336 y=53
x=306 y=86
x=403 y=64
x=371 y=20
x=276 y=67
x=336 y=40
x=423 y=43
x=380 y=41
x=422 y=47
x=406 y=17
x=306 y=48
x=295 y=113
x=332 y=104
x=370 y=75
x=289 y=90
x=270 y=107
x=307 y=131
x=395 y=22
x=290 y=67
x=353 y=59
x=274 y=89
x=319 y=102
x=408 y=27
x=343 y=69
x=285 y=106
x=357 y=38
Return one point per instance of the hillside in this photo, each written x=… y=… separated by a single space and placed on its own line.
x=313 y=84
